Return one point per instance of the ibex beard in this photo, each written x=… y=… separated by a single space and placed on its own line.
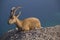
x=26 y=24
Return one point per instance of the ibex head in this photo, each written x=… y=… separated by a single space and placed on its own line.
x=13 y=17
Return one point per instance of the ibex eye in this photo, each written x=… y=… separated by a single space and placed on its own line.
x=11 y=10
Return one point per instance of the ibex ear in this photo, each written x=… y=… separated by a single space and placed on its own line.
x=19 y=14
x=12 y=10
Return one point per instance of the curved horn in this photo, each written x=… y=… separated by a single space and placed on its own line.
x=12 y=10
x=19 y=14
x=16 y=9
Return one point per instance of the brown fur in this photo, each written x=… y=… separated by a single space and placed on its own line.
x=26 y=24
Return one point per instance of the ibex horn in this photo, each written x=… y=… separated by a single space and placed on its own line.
x=14 y=9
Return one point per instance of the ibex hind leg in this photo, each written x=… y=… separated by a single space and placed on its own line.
x=26 y=28
x=38 y=26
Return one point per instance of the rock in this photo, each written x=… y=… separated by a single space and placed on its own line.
x=48 y=33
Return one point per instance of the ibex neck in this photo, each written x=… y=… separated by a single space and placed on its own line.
x=18 y=23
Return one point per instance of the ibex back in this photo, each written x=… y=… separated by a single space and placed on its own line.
x=26 y=24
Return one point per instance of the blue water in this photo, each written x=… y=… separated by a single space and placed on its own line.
x=48 y=11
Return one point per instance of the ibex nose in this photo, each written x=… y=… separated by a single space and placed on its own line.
x=8 y=23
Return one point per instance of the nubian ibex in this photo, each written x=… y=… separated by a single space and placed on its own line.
x=26 y=24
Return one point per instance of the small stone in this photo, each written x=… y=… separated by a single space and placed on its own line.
x=49 y=33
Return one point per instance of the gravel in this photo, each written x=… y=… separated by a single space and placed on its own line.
x=48 y=33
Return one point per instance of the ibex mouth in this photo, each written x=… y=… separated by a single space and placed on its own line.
x=8 y=23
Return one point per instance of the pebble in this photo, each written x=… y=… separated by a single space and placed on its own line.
x=48 y=33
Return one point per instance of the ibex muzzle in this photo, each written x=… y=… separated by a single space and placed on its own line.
x=26 y=24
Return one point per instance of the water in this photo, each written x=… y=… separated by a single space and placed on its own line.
x=48 y=11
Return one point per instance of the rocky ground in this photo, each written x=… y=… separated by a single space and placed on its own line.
x=48 y=33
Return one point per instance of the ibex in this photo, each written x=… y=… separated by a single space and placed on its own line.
x=26 y=24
